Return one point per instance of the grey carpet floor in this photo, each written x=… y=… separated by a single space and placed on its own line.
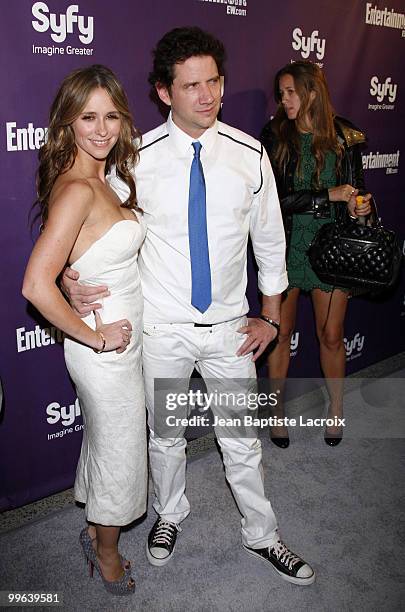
x=338 y=507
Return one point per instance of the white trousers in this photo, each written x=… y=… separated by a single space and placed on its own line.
x=172 y=351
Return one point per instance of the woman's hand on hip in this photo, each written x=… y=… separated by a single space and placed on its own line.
x=117 y=335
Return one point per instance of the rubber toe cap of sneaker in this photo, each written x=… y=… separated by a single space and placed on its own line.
x=158 y=552
x=305 y=571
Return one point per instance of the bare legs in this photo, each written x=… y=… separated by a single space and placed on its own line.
x=279 y=359
x=330 y=331
x=105 y=542
x=330 y=311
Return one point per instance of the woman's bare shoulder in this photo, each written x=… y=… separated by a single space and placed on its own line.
x=70 y=185
x=73 y=192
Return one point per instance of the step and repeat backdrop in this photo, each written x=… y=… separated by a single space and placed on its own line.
x=359 y=45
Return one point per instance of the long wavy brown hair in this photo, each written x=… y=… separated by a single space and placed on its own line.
x=308 y=77
x=59 y=152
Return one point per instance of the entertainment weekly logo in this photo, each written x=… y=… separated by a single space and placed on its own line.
x=354 y=346
x=27 y=138
x=402 y=314
x=377 y=161
x=57 y=414
x=61 y=28
x=37 y=337
x=237 y=8
x=385 y=18
x=384 y=91
x=311 y=46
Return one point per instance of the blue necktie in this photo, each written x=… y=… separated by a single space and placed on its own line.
x=197 y=235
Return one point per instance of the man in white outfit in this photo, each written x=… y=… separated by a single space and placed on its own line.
x=204 y=187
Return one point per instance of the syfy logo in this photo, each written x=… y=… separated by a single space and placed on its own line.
x=354 y=346
x=66 y=414
x=295 y=338
x=383 y=89
x=62 y=24
x=308 y=44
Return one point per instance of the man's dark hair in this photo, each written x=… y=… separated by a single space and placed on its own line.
x=177 y=46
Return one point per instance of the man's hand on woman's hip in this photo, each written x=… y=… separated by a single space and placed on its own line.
x=82 y=298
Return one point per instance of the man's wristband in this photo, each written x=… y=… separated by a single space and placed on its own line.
x=271 y=322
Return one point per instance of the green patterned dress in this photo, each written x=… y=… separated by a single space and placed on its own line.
x=304 y=227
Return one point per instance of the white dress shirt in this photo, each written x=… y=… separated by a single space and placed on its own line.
x=241 y=198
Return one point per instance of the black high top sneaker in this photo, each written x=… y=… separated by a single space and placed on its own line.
x=161 y=542
x=286 y=563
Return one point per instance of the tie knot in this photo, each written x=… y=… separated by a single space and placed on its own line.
x=197 y=148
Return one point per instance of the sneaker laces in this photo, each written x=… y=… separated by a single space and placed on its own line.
x=284 y=555
x=164 y=533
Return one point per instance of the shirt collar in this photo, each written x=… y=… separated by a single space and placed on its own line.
x=182 y=141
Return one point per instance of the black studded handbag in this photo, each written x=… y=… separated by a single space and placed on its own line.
x=347 y=254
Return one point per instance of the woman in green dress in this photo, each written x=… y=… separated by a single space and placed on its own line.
x=318 y=168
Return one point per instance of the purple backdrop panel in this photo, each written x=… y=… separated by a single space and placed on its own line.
x=40 y=424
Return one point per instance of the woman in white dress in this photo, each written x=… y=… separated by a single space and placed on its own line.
x=86 y=226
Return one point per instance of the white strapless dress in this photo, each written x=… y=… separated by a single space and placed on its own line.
x=111 y=477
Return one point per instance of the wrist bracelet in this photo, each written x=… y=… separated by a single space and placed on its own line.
x=271 y=322
x=104 y=343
